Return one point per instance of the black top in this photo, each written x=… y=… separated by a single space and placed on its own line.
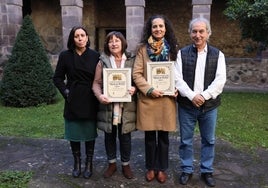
x=76 y=73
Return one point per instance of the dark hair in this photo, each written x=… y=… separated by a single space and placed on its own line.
x=169 y=35
x=71 y=43
x=118 y=35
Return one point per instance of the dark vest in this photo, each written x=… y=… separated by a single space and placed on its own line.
x=189 y=58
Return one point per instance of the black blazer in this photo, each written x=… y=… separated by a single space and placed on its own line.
x=75 y=73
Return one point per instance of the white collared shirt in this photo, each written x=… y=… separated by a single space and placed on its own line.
x=213 y=90
x=122 y=65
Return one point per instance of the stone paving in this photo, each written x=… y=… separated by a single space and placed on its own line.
x=51 y=161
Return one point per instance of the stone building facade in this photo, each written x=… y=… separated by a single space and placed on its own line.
x=53 y=20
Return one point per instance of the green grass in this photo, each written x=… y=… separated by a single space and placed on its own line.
x=242 y=120
x=15 y=179
x=44 y=121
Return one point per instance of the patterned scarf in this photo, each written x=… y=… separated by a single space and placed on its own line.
x=158 y=50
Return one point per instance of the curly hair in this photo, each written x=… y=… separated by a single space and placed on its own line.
x=169 y=35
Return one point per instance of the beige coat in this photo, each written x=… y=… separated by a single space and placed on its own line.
x=152 y=113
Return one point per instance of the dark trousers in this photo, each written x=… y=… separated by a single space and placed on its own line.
x=124 y=142
x=156 y=150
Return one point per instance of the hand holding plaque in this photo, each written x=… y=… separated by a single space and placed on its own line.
x=161 y=76
x=116 y=83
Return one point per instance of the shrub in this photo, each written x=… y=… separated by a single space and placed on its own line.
x=252 y=17
x=27 y=76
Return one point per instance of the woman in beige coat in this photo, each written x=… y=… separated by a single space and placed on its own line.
x=156 y=113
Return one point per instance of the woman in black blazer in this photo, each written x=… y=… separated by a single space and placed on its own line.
x=73 y=77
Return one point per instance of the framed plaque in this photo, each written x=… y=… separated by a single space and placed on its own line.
x=160 y=75
x=116 y=83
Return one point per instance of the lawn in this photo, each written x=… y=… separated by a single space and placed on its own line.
x=242 y=120
x=44 y=121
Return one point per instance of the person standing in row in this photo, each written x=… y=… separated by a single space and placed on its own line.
x=73 y=77
x=200 y=78
x=156 y=113
x=116 y=117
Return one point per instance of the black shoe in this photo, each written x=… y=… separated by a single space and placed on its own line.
x=185 y=177
x=208 y=179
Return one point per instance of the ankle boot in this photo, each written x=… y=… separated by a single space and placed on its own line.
x=126 y=170
x=110 y=170
x=77 y=164
x=88 y=168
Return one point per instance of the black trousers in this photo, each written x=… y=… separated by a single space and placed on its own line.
x=124 y=142
x=156 y=150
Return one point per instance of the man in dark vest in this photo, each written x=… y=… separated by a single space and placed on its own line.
x=200 y=76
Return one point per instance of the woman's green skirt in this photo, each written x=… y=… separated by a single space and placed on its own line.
x=80 y=130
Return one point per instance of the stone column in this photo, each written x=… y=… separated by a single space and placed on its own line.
x=71 y=15
x=10 y=23
x=201 y=8
x=134 y=22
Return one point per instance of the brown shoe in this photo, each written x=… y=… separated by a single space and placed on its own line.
x=161 y=177
x=150 y=175
x=110 y=170
x=126 y=170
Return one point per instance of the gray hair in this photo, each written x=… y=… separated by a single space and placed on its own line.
x=203 y=20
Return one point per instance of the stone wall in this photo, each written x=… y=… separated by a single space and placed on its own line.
x=100 y=16
x=247 y=74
